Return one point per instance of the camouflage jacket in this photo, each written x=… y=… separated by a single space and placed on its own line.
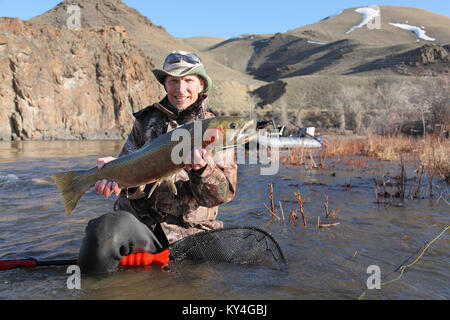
x=194 y=208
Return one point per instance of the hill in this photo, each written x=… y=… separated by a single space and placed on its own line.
x=337 y=45
x=230 y=90
x=337 y=27
x=349 y=71
x=309 y=71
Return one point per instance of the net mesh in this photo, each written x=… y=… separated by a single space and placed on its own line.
x=239 y=245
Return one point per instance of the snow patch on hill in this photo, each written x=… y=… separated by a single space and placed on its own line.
x=368 y=13
x=420 y=33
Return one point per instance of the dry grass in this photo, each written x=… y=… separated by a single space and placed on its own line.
x=435 y=157
x=431 y=153
x=373 y=146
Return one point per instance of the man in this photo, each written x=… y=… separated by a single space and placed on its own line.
x=205 y=182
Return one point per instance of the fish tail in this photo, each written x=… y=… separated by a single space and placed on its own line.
x=69 y=184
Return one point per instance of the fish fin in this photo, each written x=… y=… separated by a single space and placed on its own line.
x=66 y=182
x=64 y=179
x=159 y=181
x=138 y=194
x=172 y=186
x=70 y=199
x=153 y=188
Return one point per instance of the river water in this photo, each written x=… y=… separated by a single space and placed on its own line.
x=325 y=263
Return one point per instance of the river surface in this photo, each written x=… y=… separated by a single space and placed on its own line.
x=326 y=263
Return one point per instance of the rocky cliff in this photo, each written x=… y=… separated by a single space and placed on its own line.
x=230 y=92
x=58 y=83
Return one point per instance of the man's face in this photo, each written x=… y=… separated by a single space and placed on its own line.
x=183 y=91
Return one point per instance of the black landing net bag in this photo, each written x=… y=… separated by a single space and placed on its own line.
x=238 y=245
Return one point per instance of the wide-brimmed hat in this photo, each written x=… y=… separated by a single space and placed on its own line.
x=181 y=63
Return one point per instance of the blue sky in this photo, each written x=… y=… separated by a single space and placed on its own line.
x=228 y=18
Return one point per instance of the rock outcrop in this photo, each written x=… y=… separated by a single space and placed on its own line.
x=58 y=83
x=431 y=53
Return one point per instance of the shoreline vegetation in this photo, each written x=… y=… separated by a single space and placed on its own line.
x=428 y=156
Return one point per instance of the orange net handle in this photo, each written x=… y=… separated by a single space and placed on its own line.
x=160 y=259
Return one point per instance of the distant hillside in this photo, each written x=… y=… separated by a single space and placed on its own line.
x=336 y=27
x=338 y=45
x=334 y=74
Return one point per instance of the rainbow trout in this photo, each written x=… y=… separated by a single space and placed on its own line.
x=158 y=160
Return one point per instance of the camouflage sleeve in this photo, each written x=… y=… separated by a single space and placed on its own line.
x=216 y=184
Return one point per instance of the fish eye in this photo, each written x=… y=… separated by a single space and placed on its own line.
x=232 y=125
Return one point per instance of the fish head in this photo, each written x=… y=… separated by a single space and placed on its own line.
x=226 y=132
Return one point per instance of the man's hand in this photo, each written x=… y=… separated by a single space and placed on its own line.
x=105 y=187
x=198 y=159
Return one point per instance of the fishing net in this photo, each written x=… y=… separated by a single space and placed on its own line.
x=238 y=245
